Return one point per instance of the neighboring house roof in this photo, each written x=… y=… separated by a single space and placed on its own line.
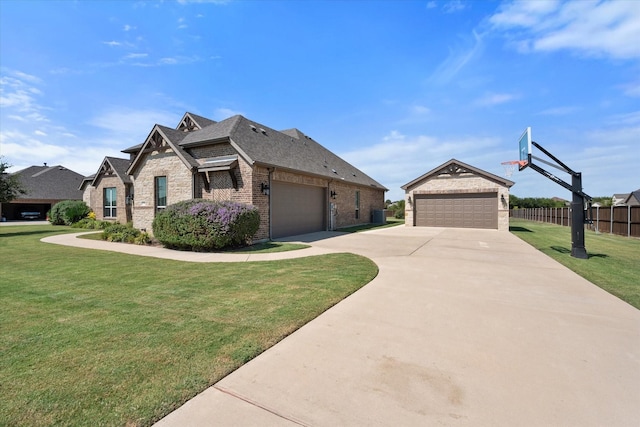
x=113 y=165
x=454 y=166
x=86 y=181
x=50 y=183
x=619 y=199
x=259 y=144
x=633 y=199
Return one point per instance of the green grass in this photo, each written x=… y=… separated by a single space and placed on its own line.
x=258 y=248
x=613 y=263
x=100 y=338
x=391 y=222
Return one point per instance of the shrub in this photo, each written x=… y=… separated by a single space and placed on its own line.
x=116 y=232
x=68 y=212
x=91 y=224
x=202 y=225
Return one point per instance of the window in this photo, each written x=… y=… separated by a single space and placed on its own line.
x=161 y=192
x=357 y=204
x=110 y=201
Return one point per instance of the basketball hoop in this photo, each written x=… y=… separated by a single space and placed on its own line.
x=510 y=166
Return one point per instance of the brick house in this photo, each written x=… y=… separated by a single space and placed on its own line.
x=456 y=194
x=45 y=186
x=109 y=191
x=298 y=185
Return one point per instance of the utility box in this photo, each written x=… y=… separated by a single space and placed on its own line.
x=378 y=217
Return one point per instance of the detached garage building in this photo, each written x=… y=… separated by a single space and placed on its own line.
x=458 y=195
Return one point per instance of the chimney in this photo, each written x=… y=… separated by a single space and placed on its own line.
x=45 y=163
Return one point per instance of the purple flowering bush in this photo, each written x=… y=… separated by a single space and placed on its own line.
x=204 y=225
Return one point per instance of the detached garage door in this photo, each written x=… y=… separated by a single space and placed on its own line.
x=474 y=210
x=296 y=209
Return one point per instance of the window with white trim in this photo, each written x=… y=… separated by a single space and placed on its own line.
x=161 y=192
x=110 y=202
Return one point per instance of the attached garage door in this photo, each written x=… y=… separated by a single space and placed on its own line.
x=474 y=210
x=296 y=209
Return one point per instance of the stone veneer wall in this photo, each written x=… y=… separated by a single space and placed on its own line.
x=162 y=162
x=463 y=183
x=123 y=212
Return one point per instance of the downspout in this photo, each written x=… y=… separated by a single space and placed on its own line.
x=270 y=170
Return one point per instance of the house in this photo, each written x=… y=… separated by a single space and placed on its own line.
x=456 y=194
x=45 y=186
x=109 y=191
x=297 y=185
x=633 y=199
x=619 y=199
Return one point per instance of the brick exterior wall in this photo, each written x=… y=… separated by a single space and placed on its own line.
x=462 y=183
x=183 y=185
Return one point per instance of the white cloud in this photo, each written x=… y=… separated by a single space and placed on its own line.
x=399 y=158
x=128 y=28
x=225 y=113
x=559 y=111
x=632 y=89
x=112 y=43
x=39 y=133
x=492 y=99
x=456 y=61
x=592 y=28
x=453 y=6
x=136 y=55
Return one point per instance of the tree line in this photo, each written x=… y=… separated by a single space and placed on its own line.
x=543 y=202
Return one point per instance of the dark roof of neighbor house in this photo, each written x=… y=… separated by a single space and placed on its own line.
x=116 y=165
x=291 y=149
x=50 y=183
x=633 y=199
x=456 y=166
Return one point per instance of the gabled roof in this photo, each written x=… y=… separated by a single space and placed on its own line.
x=453 y=167
x=113 y=165
x=50 y=183
x=633 y=199
x=259 y=144
x=160 y=135
x=191 y=122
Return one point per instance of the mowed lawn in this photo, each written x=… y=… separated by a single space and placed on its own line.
x=100 y=338
x=613 y=263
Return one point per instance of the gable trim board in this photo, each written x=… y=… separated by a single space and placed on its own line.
x=457 y=195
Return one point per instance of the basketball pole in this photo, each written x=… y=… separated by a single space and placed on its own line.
x=578 y=218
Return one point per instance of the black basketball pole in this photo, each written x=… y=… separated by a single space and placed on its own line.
x=578 y=218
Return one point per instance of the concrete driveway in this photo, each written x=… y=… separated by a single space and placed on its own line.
x=461 y=327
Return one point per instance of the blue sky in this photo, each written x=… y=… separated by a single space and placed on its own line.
x=394 y=87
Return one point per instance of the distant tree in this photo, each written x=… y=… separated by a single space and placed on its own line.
x=399 y=209
x=533 y=202
x=10 y=186
x=387 y=203
x=604 y=201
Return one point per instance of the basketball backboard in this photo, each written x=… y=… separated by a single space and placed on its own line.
x=524 y=144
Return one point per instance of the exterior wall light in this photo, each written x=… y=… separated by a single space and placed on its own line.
x=264 y=188
x=333 y=194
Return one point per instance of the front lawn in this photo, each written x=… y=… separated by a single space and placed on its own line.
x=100 y=338
x=613 y=263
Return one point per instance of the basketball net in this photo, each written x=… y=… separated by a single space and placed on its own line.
x=510 y=166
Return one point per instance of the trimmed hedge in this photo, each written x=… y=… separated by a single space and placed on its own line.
x=68 y=212
x=204 y=225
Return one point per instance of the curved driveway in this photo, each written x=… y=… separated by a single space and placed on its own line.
x=460 y=327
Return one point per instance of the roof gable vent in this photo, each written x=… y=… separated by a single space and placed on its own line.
x=264 y=132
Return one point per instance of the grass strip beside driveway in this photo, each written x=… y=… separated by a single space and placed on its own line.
x=613 y=263
x=102 y=338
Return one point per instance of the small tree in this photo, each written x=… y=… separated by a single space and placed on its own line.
x=10 y=185
x=68 y=212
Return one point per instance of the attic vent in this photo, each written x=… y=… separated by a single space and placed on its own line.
x=353 y=174
x=264 y=132
x=334 y=171
x=253 y=128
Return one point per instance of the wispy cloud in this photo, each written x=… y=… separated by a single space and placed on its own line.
x=453 y=6
x=591 y=28
x=128 y=28
x=559 y=111
x=456 y=61
x=224 y=113
x=112 y=43
x=221 y=2
x=492 y=99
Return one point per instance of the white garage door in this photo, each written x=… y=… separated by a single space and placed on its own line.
x=473 y=210
x=297 y=209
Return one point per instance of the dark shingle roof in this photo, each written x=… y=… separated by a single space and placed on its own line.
x=290 y=149
x=50 y=183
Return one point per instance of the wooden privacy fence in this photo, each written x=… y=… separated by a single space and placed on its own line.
x=621 y=220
